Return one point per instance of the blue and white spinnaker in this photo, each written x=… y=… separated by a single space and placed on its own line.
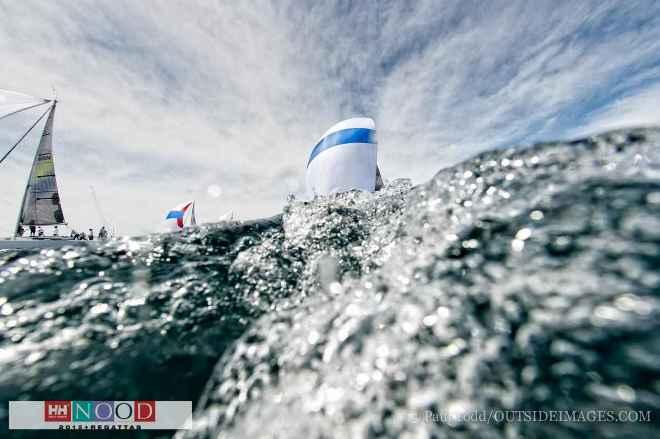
x=344 y=158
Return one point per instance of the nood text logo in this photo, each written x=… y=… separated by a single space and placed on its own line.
x=99 y=415
x=100 y=411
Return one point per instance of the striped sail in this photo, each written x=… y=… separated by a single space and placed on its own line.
x=345 y=158
x=41 y=204
x=181 y=216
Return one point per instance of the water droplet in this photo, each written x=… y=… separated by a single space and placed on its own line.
x=70 y=255
x=430 y=320
x=634 y=303
x=536 y=215
x=136 y=301
x=335 y=288
x=33 y=358
x=353 y=310
x=313 y=337
x=626 y=393
x=529 y=374
x=605 y=314
x=560 y=245
x=362 y=379
x=653 y=198
x=100 y=308
x=443 y=312
x=411 y=317
x=457 y=412
x=523 y=234
x=7 y=309
x=453 y=349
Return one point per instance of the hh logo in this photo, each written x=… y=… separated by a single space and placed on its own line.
x=57 y=411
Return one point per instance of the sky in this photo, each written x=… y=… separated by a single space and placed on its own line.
x=165 y=101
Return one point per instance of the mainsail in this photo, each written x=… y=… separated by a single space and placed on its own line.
x=379 y=179
x=41 y=201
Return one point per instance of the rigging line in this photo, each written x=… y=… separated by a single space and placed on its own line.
x=104 y=220
x=24 y=135
x=46 y=101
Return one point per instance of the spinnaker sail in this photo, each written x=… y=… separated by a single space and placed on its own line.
x=183 y=215
x=41 y=201
x=345 y=158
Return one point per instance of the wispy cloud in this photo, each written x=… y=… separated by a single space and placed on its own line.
x=161 y=99
x=638 y=109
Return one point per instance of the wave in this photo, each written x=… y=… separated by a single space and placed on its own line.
x=521 y=279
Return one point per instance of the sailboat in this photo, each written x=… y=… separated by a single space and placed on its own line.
x=41 y=204
x=181 y=216
x=345 y=158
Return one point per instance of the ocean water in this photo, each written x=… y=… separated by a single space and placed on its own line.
x=521 y=279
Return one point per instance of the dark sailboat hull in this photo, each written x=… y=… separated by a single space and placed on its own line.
x=37 y=244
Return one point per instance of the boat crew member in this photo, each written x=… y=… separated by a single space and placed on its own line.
x=103 y=233
x=33 y=230
x=90 y=236
x=40 y=232
x=20 y=230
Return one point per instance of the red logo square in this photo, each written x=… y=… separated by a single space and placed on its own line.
x=57 y=411
x=145 y=411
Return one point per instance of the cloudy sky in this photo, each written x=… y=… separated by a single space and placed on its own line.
x=221 y=101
